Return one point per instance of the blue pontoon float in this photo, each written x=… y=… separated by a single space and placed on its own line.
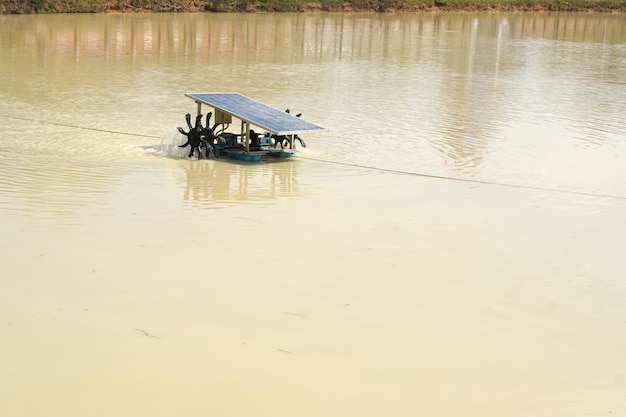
x=278 y=129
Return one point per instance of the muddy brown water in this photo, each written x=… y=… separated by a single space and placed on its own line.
x=452 y=244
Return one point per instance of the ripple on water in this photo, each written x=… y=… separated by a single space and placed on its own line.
x=54 y=183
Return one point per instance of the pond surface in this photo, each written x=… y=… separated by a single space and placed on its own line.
x=451 y=245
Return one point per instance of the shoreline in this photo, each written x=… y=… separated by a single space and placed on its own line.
x=278 y=6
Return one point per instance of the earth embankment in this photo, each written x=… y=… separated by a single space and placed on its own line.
x=160 y=6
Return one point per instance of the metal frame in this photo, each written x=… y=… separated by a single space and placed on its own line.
x=269 y=119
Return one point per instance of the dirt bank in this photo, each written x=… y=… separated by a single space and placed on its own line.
x=159 y=6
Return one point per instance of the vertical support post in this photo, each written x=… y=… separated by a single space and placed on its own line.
x=247 y=128
x=243 y=132
x=199 y=112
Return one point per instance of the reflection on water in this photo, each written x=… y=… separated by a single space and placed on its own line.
x=51 y=41
x=219 y=183
x=214 y=183
x=49 y=188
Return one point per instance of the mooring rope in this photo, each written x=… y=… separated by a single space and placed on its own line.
x=369 y=167
x=83 y=127
x=483 y=182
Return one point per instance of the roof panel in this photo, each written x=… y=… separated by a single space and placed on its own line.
x=254 y=112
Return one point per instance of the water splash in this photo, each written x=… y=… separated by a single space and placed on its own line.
x=169 y=146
